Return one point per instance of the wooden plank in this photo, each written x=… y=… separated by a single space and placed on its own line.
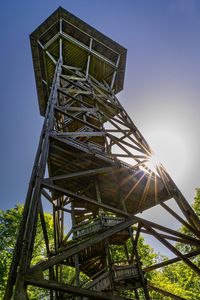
x=79 y=134
x=79 y=108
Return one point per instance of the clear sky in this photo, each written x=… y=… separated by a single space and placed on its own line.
x=161 y=91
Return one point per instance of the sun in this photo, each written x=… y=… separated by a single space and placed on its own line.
x=170 y=149
x=153 y=162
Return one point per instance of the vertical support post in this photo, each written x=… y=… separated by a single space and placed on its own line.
x=60 y=41
x=76 y=260
x=33 y=195
x=109 y=264
x=137 y=297
x=89 y=58
x=57 y=214
x=126 y=252
x=145 y=288
x=115 y=72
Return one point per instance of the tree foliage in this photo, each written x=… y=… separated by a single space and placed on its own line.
x=177 y=278
x=9 y=224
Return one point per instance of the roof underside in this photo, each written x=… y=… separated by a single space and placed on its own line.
x=119 y=183
x=107 y=56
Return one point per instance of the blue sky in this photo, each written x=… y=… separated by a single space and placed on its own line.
x=161 y=91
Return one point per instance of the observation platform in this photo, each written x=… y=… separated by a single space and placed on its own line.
x=70 y=156
x=78 y=40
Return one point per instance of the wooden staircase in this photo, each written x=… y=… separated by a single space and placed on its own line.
x=123 y=276
x=91 y=259
x=93 y=263
x=101 y=283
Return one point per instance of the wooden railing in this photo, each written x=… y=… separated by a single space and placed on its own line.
x=96 y=225
x=108 y=221
x=87 y=229
x=125 y=272
x=119 y=273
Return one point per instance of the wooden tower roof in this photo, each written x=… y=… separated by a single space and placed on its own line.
x=107 y=56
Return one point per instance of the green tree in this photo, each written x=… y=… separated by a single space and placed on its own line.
x=9 y=224
x=179 y=278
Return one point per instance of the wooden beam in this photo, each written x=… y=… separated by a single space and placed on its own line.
x=187 y=210
x=173 y=249
x=168 y=230
x=82 y=173
x=182 y=221
x=76 y=118
x=173 y=238
x=23 y=250
x=60 y=90
x=52 y=285
x=170 y=261
x=44 y=228
x=88 y=59
x=47 y=196
x=151 y=287
x=51 y=57
x=118 y=140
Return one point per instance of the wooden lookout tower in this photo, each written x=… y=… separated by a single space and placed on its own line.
x=92 y=167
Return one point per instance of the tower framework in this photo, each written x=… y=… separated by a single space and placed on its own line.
x=92 y=167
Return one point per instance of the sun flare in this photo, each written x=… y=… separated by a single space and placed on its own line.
x=153 y=162
x=170 y=150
